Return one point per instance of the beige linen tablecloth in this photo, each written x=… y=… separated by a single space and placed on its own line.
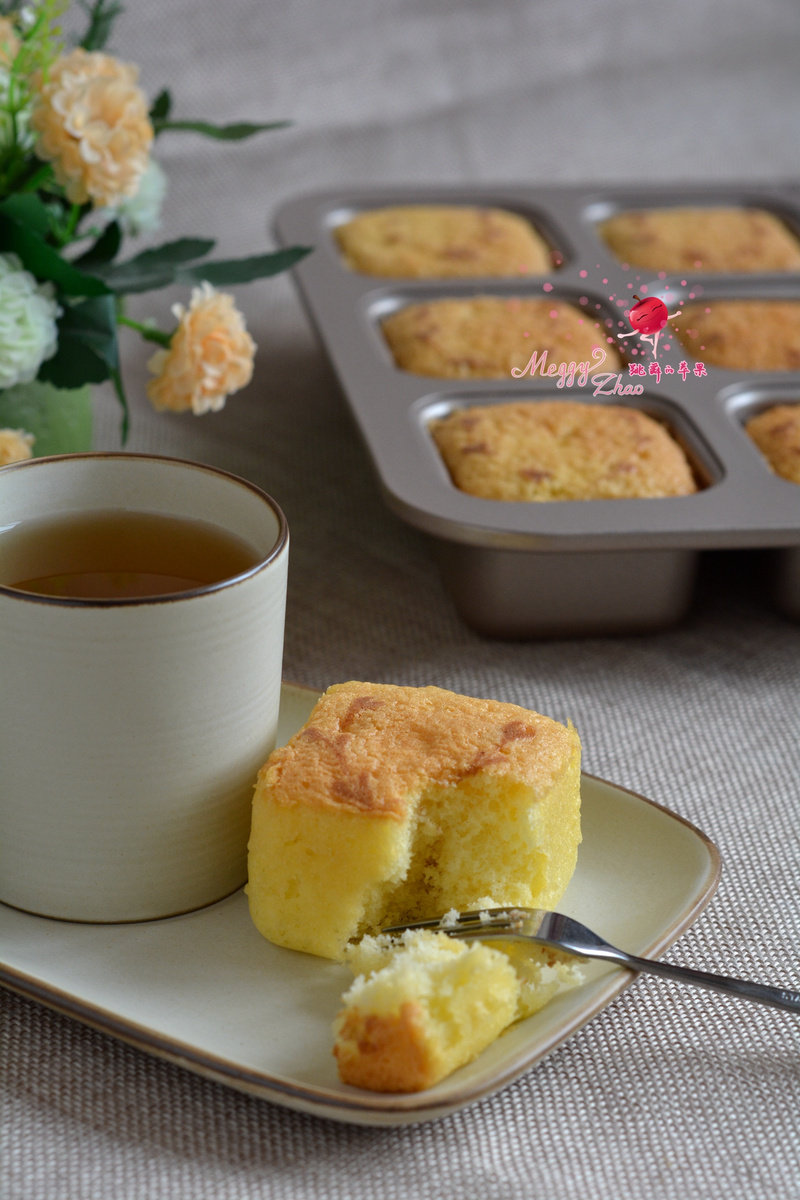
x=671 y=1093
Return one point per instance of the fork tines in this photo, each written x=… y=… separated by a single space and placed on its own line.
x=468 y=924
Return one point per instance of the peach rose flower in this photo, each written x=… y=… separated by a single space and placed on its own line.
x=15 y=446
x=9 y=42
x=209 y=357
x=92 y=123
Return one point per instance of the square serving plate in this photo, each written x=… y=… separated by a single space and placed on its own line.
x=207 y=992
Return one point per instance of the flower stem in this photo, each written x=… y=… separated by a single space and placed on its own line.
x=125 y=423
x=72 y=222
x=148 y=332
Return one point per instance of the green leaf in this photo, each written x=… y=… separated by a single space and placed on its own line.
x=242 y=270
x=153 y=268
x=103 y=250
x=102 y=16
x=180 y=251
x=161 y=107
x=38 y=175
x=28 y=210
x=94 y=322
x=45 y=263
x=87 y=344
x=235 y=132
x=71 y=370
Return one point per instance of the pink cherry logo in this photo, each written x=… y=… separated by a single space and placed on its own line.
x=648 y=316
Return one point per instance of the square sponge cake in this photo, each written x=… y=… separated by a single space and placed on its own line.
x=546 y=450
x=776 y=432
x=702 y=239
x=490 y=337
x=442 y=240
x=394 y=804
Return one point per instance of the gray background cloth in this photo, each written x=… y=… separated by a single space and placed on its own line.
x=671 y=1092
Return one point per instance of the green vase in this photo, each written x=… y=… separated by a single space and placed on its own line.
x=60 y=419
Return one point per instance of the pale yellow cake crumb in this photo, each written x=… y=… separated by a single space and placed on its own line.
x=423 y=1011
x=424 y=1004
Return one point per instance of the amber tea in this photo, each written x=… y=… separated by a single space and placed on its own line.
x=118 y=555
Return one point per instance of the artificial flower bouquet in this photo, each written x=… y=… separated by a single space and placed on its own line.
x=77 y=176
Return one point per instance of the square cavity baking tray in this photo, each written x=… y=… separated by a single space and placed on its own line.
x=562 y=568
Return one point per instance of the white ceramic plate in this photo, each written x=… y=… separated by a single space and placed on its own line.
x=206 y=991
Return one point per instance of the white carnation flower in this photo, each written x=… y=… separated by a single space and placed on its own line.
x=141 y=212
x=28 y=314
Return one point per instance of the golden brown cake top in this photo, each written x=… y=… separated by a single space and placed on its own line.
x=743 y=335
x=430 y=240
x=776 y=432
x=485 y=337
x=702 y=239
x=368 y=747
x=561 y=450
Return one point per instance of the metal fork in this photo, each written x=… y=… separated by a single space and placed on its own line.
x=565 y=933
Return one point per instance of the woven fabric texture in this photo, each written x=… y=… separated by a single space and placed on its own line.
x=671 y=1093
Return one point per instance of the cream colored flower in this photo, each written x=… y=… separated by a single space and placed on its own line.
x=28 y=330
x=92 y=124
x=9 y=42
x=15 y=446
x=209 y=357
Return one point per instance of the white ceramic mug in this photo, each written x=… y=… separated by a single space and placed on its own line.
x=131 y=731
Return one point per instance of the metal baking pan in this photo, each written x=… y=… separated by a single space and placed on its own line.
x=561 y=568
